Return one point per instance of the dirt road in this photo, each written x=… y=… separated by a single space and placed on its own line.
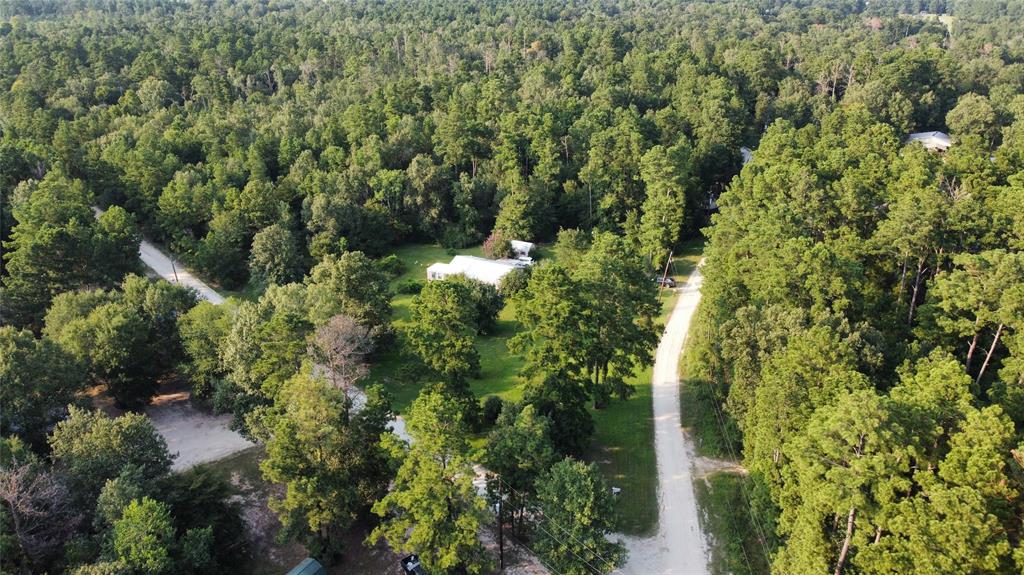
x=175 y=273
x=171 y=270
x=679 y=547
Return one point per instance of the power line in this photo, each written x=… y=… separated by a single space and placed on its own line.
x=537 y=511
x=755 y=522
x=535 y=554
x=541 y=512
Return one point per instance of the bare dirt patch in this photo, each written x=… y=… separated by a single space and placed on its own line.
x=193 y=434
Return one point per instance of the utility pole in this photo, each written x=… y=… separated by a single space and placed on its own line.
x=664 y=275
x=501 y=529
x=175 y=270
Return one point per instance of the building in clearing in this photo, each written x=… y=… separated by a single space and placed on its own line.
x=933 y=141
x=480 y=269
x=522 y=249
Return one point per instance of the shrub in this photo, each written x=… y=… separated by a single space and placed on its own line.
x=486 y=300
x=409 y=286
x=514 y=282
x=392 y=265
x=492 y=408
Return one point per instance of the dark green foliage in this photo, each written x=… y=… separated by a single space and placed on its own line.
x=409 y=287
x=126 y=340
x=315 y=136
x=351 y=284
x=198 y=500
x=392 y=265
x=330 y=460
x=574 y=496
x=514 y=282
x=484 y=299
x=882 y=340
x=492 y=407
x=57 y=245
x=91 y=448
x=444 y=321
x=39 y=380
x=202 y=331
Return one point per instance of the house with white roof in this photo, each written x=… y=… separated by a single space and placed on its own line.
x=480 y=269
x=932 y=141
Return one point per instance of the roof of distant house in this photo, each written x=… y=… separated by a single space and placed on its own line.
x=931 y=140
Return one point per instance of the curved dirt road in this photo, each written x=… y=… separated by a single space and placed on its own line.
x=679 y=547
x=171 y=270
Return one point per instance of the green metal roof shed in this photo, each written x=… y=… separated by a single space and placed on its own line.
x=309 y=566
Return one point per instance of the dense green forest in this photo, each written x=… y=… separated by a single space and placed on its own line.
x=863 y=301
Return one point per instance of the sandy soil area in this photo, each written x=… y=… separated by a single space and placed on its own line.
x=195 y=437
x=679 y=547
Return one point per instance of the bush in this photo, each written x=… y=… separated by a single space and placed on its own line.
x=514 y=282
x=392 y=265
x=486 y=300
x=497 y=246
x=410 y=287
x=492 y=409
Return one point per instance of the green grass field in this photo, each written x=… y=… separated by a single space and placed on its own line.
x=735 y=549
x=499 y=368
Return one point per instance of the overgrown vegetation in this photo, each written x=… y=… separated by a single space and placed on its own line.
x=732 y=535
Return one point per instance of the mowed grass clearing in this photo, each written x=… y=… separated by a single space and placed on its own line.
x=402 y=376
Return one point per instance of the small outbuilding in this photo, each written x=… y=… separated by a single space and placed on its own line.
x=411 y=565
x=932 y=141
x=522 y=250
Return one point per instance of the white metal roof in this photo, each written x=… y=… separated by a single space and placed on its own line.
x=480 y=269
x=931 y=140
x=521 y=248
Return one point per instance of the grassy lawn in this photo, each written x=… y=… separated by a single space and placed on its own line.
x=734 y=546
x=498 y=366
x=624 y=448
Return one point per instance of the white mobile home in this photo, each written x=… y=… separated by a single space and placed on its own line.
x=480 y=269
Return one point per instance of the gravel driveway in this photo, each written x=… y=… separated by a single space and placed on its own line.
x=679 y=547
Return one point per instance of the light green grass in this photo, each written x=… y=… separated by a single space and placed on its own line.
x=623 y=448
x=499 y=368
